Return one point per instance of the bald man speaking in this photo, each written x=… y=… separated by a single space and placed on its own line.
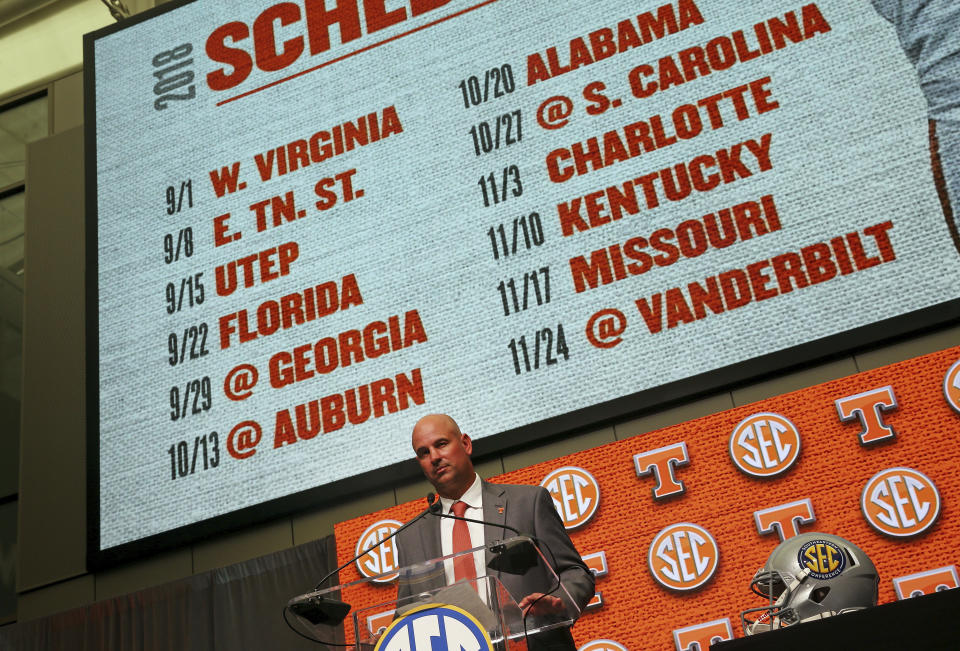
x=443 y=452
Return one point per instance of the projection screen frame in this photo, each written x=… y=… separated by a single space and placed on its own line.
x=595 y=416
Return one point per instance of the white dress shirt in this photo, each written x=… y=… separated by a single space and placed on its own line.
x=473 y=498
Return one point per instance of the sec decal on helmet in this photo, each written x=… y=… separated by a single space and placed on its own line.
x=823 y=558
x=811 y=576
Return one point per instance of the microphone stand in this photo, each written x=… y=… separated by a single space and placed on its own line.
x=321 y=609
x=511 y=559
x=433 y=506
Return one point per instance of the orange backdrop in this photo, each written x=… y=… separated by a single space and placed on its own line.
x=832 y=470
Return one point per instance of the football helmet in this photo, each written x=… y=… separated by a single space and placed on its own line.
x=811 y=576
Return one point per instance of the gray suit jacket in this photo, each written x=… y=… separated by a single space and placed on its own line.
x=528 y=509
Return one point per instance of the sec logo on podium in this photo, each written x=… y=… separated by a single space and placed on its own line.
x=433 y=627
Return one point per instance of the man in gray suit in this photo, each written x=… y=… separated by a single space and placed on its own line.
x=443 y=452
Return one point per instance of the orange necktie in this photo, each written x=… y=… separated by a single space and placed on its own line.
x=463 y=566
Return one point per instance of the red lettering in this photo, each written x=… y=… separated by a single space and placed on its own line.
x=265 y=39
x=217 y=50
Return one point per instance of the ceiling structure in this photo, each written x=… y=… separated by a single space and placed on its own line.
x=42 y=40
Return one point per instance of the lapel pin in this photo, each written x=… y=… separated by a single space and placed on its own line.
x=500 y=510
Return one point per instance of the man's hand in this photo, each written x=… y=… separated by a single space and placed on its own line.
x=540 y=604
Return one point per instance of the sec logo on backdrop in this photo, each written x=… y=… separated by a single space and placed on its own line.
x=951 y=386
x=602 y=645
x=765 y=445
x=900 y=502
x=575 y=493
x=382 y=558
x=683 y=556
x=433 y=627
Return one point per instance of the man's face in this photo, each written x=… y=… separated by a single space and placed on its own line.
x=444 y=455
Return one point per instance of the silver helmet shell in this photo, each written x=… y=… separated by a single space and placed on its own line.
x=811 y=576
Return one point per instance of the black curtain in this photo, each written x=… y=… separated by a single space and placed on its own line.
x=235 y=607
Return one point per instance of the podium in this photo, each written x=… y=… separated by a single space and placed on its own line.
x=430 y=606
x=925 y=622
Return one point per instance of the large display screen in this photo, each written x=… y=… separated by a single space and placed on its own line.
x=311 y=223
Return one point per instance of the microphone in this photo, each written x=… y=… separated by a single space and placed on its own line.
x=321 y=609
x=511 y=556
x=430 y=508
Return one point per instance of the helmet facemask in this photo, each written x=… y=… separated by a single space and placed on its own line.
x=777 y=588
